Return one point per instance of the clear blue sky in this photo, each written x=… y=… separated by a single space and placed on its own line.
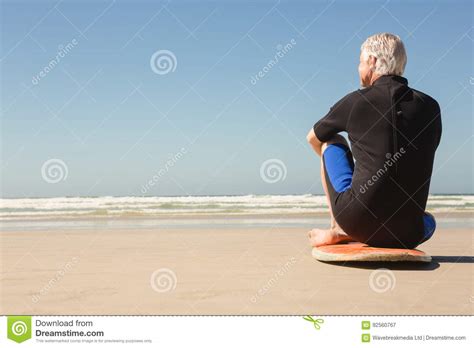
x=114 y=122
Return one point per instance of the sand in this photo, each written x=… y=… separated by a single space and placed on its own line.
x=260 y=270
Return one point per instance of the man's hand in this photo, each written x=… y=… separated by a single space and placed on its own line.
x=314 y=142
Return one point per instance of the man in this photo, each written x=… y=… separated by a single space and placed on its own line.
x=394 y=131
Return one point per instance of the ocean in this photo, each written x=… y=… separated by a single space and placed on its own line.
x=154 y=207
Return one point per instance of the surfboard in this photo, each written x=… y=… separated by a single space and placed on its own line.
x=363 y=252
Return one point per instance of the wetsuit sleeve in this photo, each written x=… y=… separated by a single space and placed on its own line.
x=336 y=119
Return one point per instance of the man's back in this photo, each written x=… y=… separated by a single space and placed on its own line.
x=394 y=132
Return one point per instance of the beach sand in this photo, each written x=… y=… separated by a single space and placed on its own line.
x=261 y=270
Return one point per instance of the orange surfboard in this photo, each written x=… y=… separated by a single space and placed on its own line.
x=363 y=252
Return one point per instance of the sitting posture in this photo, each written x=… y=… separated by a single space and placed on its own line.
x=377 y=189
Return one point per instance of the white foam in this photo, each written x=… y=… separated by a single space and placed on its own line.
x=22 y=208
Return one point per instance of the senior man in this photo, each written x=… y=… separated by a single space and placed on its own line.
x=377 y=192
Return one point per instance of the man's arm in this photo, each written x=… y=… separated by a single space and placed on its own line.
x=315 y=143
x=333 y=123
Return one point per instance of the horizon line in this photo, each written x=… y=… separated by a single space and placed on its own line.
x=219 y=195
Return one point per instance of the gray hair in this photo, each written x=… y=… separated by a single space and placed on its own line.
x=389 y=51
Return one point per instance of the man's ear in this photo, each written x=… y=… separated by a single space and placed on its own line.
x=372 y=62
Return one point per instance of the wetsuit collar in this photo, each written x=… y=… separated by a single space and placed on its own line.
x=384 y=79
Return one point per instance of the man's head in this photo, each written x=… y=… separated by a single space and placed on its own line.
x=381 y=54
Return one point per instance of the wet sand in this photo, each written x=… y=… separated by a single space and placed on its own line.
x=258 y=270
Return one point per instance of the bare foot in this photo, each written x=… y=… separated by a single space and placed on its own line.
x=318 y=237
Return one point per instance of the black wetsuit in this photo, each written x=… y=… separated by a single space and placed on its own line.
x=394 y=131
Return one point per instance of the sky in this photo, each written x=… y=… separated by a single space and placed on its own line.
x=208 y=98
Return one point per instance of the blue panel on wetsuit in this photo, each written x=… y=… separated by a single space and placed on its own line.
x=338 y=167
x=430 y=226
